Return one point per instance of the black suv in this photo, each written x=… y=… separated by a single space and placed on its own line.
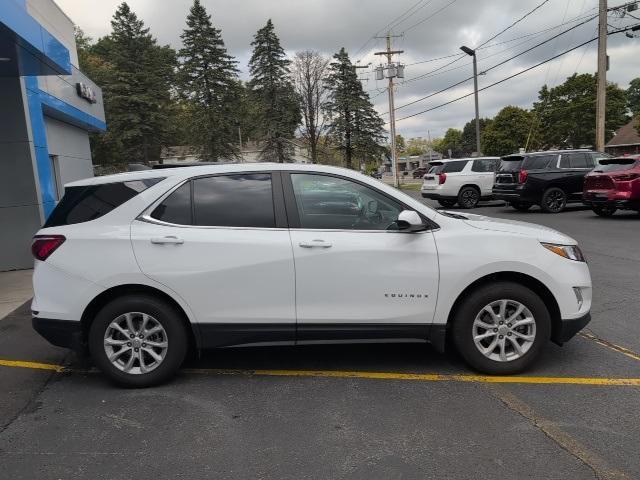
x=550 y=179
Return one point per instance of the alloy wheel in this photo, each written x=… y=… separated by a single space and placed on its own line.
x=555 y=201
x=135 y=343
x=469 y=198
x=504 y=330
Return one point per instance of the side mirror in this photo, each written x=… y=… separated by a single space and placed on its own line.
x=409 y=220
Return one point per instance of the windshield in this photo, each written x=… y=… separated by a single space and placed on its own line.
x=616 y=164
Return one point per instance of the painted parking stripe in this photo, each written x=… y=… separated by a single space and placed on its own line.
x=610 y=345
x=422 y=377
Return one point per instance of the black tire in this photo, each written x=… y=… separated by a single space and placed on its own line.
x=521 y=207
x=472 y=305
x=604 y=211
x=554 y=200
x=164 y=314
x=447 y=203
x=468 y=197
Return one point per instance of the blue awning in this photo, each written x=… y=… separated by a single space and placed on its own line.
x=26 y=48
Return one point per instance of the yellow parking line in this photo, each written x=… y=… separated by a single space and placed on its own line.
x=31 y=365
x=421 y=377
x=610 y=345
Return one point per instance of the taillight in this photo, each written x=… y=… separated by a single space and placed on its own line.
x=442 y=177
x=522 y=176
x=626 y=177
x=45 y=245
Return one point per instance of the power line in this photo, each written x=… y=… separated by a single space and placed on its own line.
x=430 y=16
x=516 y=74
x=496 y=65
x=513 y=24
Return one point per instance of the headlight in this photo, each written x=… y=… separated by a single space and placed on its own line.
x=572 y=252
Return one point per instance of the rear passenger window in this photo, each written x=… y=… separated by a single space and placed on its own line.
x=243 y=200
x=575 y=160
x=88 y=202
x=485 y=165
x=176 y=208
x=539 y=162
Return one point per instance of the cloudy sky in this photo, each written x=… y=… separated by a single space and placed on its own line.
x=430 y=29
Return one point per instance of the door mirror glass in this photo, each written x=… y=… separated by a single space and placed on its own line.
x=409 y=220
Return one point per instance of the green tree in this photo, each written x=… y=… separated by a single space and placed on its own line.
x=468 y=139
x=508 y=132
x=354 y=126
x=633 y=97
x=208 y=83
x=271 y=88
x=400 y=144
x=566 y=114
x=417 y=146
x=135 y=74
x=452 y=140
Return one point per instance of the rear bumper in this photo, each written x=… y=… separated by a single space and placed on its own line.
x=632 y=204
x=568 y=328
x=61 y=333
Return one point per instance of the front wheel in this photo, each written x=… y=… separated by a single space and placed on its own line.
x=138 y=340
x=604 y=211
x=501 y=328
x=554 y=200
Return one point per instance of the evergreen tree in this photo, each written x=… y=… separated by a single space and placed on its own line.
x=207 y=81
x=274 y=93
x=353 y=123
x=136 y=76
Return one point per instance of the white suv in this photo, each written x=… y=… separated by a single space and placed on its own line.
x=140 y=267
x=464 y=181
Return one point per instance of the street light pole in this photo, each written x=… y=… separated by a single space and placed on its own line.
x=472 y=53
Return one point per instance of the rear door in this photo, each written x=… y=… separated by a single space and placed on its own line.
x=575 y=166
x=221 y=243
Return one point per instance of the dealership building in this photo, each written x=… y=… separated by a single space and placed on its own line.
x=47 y=109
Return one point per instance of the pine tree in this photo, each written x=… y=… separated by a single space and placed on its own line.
x=353 y=123
x=273 y=91
x=208 y=83
x=136 y=88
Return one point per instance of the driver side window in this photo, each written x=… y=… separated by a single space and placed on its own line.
x=327 y=202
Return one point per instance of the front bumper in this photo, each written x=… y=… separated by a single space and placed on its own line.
x=61 y=333
x=568 y=328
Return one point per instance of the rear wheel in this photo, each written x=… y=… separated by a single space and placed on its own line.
x=604 y=211
x=554 y=200
x=501 y=328
x=468 y=197
x=521 y=207
x=447 y=203
x=138 y=340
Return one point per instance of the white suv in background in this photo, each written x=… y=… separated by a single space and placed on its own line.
x=140 y=267
x=464 y=181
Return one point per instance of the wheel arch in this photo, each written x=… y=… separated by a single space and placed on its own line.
x=516 y=277
x=112 y=293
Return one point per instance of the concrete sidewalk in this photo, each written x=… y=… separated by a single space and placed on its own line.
x=15 y=289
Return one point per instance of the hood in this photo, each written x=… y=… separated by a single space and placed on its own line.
x=540 y=232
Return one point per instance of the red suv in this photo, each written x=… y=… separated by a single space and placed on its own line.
x=614 y=184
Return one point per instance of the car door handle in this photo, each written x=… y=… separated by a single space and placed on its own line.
x=170 y=239
x=315 y=244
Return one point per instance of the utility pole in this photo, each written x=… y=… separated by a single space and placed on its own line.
x=393 y=71
x=601 y=96
x=472 y=53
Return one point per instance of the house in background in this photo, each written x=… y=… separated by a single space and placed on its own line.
x=250 y=152
x=626 y=140
x=178 y=154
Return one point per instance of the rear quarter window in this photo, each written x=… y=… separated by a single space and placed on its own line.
x=453 y=167
x=88 y=202
x=539 y=162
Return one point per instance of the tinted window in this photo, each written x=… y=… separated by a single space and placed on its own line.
x=449 y=167
x=176 y=208
x=616 y=164
x=243 y=200
x=511 y=164
x=539 y=162
x=335 y=203
x=485 y=165
x=575 y=160
x=88 y=202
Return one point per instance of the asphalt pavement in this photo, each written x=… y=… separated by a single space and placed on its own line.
x=351 y=411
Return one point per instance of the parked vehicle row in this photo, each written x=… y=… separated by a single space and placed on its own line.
x=288 y=254
x=549 y=179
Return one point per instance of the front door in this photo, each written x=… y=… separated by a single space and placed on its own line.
x=217 y=242
x=357 y=277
